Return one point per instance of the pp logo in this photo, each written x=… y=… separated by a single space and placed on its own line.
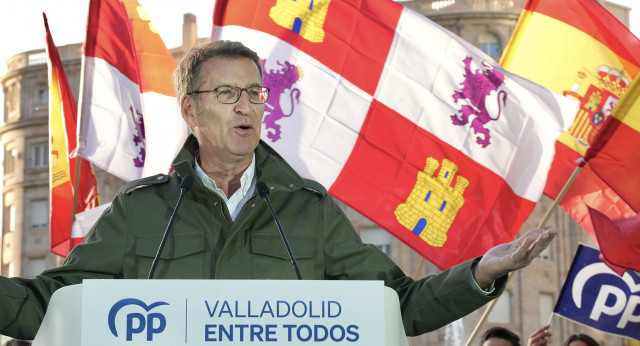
x=612 y=300
x=136 y=322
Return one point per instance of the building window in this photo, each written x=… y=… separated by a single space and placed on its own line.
x=379 y=238
x=12 y=218
x=490 y=44
x=546 y=303
x=10 y=160
x=42 y=95
x=40 y=155
x=39 y=213
x=501 y=312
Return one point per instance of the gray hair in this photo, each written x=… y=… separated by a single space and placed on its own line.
x=188 y=77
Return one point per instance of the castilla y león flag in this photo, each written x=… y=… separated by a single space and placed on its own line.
x=63 y=165
x=579 y=49
x=130 y=121
x=400 y=119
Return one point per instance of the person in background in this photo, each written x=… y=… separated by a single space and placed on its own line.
x=542 y=336
x=499 y=336
x=581 y=340
x=17 y=342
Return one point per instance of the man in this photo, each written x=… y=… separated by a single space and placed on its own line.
x=499 y=336
x=224 y=230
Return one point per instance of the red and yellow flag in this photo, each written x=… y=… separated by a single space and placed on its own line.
x=579 y=49
x=615 y=155
x=613 y=163
x=63 y=165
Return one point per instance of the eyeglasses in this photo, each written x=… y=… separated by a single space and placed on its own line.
x=231 y=94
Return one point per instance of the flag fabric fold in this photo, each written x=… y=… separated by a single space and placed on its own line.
x=402 y=120
x=614 y=160
x=619 y=241
x=548 y=46
x=63 y=161
x=595 y=296
x=130 y=121
x=615 y=155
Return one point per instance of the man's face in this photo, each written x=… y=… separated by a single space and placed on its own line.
x=229 y=132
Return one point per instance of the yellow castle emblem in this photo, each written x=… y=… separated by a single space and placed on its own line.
x=433 y=204
x=304 y=17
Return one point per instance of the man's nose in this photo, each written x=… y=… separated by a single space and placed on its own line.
x=243 y=103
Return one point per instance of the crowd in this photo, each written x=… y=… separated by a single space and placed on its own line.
x=499 y=336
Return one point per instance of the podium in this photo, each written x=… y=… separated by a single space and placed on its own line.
x=222 y=312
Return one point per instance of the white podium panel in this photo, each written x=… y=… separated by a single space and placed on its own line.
x=222 y=312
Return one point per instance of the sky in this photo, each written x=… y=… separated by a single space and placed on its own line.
x=22 y=28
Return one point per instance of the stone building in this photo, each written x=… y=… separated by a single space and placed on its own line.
x=488 y=24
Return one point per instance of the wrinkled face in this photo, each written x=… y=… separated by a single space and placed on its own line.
x=228 y=131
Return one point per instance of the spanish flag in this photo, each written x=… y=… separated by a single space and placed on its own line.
x=613 y=163
x=579 y=49
x=63 y=160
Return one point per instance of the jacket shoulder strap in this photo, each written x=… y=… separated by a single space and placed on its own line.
x=144 y=182
x=315 y=187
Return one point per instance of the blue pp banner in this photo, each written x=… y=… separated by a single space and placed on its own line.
x=596 y=296
x=233 y=312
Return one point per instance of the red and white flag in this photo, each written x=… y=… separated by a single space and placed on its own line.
x=63 y=161
x=400 y=119
x=130 y=121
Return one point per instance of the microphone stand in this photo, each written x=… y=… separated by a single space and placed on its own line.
x=263 y=191
x=186 y=184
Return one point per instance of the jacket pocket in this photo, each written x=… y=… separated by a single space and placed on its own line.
x=181 y=258
x=270 y=259
x=273 y=246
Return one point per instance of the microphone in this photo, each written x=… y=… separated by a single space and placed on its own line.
x=263 y=191
x=185 y=186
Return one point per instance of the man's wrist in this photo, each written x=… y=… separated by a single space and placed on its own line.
x=487 y=288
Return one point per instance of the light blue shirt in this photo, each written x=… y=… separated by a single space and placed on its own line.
x=241 y=196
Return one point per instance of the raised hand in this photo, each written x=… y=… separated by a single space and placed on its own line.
x=508 y=257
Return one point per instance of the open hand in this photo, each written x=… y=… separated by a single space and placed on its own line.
x=508 y=257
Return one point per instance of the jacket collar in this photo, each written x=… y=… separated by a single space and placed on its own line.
x=270 y=166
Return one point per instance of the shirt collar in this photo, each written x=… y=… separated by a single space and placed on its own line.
x=245 y=180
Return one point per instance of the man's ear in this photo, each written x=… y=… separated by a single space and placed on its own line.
x=188 y=111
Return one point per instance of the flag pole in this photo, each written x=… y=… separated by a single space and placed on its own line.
x=76 y=185
x=541 y=224
x=418 y=268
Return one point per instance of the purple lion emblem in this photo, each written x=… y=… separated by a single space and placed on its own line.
x=476 y=88
x=138 y=137
x=278 y=82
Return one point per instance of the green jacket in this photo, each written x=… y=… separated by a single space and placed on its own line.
x=205 y=244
